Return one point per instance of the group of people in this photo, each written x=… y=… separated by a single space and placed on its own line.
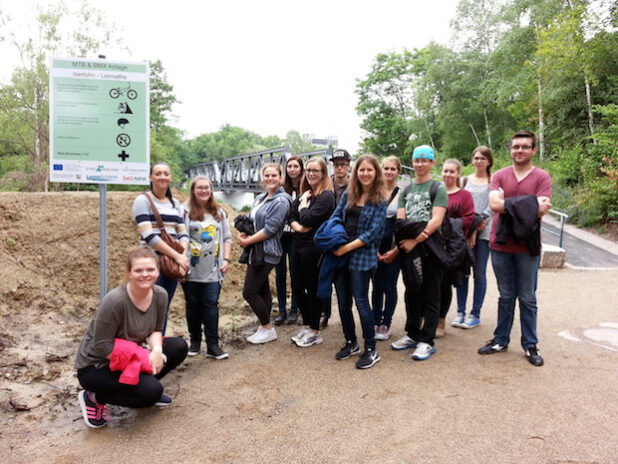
x=347 y=230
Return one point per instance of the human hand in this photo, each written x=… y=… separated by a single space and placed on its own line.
x=225 y=266
x=342 y=250
x=408 y=244
x=390 y=255
x=242 y=239
x=482 y=225
x=156 y=359
x=544 y=206
x=182 y=261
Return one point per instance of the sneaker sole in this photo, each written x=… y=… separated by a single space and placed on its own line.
x=221 y=356
x=468 y=327
x=161 y=404
x=261 y=342
x=369 y=365
x=491 y=352
x=399 y=348
x=193 y=353
x=424 y=358
x=353 y=353
x=82 y=404
x=317 y=342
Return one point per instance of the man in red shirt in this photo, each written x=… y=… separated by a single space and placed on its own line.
x=516 y=264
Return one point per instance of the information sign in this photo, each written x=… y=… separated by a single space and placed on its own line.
x=99 y=121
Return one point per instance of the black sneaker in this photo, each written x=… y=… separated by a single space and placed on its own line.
x=292 y=319
x=280 y=319
x=194 y=349
x=533 y=355
x=348 y=350
x=368 y=359
x=216 y=352
x=163 y=401
x=95 y=414
x=492 y=347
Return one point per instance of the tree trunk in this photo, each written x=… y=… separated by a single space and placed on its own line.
x=478 y=142
x=589 y=105
x=487 y=129
x=541 y=119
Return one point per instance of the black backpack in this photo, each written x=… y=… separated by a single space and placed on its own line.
x=454 y=245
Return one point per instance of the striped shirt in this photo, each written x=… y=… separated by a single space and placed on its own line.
x=147 y=223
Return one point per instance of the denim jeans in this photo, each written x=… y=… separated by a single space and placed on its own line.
x=516 y=274
x=481 y=255
x=202 y=299
x=169 y=284
x=355 y=284
x=287 y=243
x=384 y=294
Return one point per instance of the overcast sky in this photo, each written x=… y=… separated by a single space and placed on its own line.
x=268 y=66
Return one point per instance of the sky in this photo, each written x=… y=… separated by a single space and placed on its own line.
x=267 y=66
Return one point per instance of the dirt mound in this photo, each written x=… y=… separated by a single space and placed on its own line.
x=49 y=288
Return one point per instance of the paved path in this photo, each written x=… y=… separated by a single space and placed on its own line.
x=583 y=249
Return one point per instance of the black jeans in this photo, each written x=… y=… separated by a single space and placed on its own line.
x=107 y=389
x=257 y=291
x=306 y=270
x=424 y=302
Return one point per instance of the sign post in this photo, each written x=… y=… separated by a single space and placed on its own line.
x=99 y=117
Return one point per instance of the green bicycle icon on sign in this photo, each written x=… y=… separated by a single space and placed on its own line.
x=118 y=91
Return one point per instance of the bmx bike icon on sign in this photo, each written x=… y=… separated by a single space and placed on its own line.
x=118 y=91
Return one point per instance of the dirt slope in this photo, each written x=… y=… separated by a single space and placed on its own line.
x=49 y=288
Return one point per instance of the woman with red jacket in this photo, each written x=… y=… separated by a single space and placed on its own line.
x=460 y=205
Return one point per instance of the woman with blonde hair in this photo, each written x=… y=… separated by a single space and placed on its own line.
x=384 y=294
x=210 y=246
x=309 y=211
x=362 y=210
x=268 y=213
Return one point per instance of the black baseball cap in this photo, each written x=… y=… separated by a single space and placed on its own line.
x=341 y=154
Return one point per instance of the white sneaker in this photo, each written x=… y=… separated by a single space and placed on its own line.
x=263 y=336
x=459 y=320
x=423 y=351
x=309 y=339
x=301 y=332
x=404 y=343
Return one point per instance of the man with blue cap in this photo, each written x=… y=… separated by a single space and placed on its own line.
x=420 y=203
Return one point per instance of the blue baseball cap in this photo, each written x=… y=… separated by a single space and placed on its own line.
x=424 y=152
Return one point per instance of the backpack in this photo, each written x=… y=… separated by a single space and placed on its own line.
x=454 y=245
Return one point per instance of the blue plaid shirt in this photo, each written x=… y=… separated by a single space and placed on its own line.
x=370 y=228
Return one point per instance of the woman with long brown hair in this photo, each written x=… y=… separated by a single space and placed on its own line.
x=210 y=246
x=478 y=185
x=362 y=210
x=309 y=211
x=294 y=170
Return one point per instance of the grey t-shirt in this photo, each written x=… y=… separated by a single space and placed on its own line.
x=205 y=253
x=480 y=196
x=118 y=317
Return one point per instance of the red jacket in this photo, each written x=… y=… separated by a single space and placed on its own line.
x=131 y=359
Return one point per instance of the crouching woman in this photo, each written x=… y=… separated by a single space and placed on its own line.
x=112 y=365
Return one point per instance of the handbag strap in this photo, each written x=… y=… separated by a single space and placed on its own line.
x=155 y=211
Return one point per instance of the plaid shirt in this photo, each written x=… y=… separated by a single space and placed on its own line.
x=370 y=228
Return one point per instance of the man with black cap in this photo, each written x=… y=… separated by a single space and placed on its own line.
x=341 y=165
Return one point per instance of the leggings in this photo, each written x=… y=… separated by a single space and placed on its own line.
x=108 y=390
x=257 y=291
x=306 y=270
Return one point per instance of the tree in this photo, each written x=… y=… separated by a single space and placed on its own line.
x=24 y=103
x=161 y=97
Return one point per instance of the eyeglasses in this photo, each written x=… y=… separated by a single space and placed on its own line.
x=202 y=189
x=313 y=171
x=521 y=147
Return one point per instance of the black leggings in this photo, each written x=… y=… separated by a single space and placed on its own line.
x=257 y=291
x=107 y=389
x=306 y=270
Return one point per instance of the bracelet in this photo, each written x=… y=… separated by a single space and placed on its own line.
x=157 y=349
x=226 y=259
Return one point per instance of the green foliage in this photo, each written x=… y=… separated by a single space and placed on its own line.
x=161 y=97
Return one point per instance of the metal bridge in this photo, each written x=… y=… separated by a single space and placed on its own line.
x=244 y=172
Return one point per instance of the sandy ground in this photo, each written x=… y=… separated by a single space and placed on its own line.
x=281 y=404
